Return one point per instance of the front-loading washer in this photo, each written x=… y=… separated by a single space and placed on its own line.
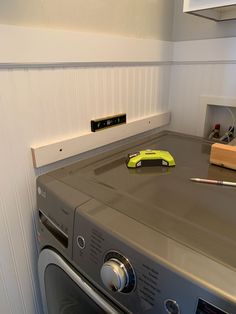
x=66 y=291
x=146 y=240
x=64 y=288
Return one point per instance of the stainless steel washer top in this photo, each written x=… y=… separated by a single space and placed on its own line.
x=148 y=239
x=197 y=215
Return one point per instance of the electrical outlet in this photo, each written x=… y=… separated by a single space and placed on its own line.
x=107 y=122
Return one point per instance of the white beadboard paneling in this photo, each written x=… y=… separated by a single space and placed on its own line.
x=200 y=68
x=5 y=303
x=92 y=93
x=36 y=45
x=18 y=247
x=44 y=104
x=189 y=83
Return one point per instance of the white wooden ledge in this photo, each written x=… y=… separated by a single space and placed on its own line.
x=52 y=152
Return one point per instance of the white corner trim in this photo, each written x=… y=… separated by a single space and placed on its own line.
x=36 y=45
x=207 y=50
x=46 y=154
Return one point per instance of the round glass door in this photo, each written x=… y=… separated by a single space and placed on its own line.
x=64 y=296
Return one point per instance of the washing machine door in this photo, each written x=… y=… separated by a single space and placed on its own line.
x=64 y=291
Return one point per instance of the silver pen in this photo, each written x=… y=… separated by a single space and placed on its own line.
x=217 y=182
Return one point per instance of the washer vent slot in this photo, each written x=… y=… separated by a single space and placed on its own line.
x=61 y=236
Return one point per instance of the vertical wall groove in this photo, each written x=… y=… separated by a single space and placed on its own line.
x=5 y=304
x=4 y=293
x=25 y=245
x=21 y=305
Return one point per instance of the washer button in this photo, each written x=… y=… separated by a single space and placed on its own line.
x=172 y=307
x=81 y=242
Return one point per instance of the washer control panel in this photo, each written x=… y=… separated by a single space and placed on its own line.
x=130 y=275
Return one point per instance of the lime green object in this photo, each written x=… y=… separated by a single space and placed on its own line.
x=149 y=157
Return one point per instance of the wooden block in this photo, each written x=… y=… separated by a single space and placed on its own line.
x=223 y=155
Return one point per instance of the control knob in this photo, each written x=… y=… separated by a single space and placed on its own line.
x=117 y=274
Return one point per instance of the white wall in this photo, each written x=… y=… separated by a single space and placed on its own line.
x=191 y=81
x=42 y=102
x=60 y=66
x=40 y=105
x=134 y=18
x=204 y=64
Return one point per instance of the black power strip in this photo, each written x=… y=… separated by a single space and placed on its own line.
x=107 y=122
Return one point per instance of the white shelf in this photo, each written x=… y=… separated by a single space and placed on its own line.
x=218 y=10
